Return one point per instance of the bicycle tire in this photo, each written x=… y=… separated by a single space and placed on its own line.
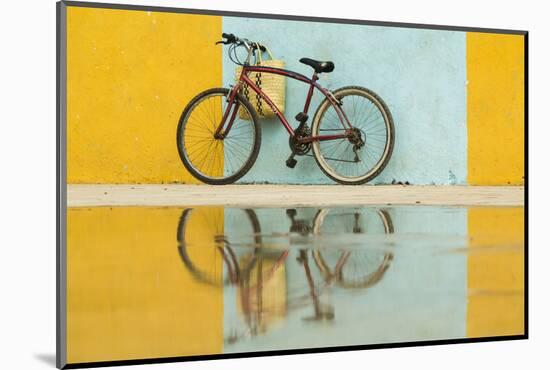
x=180 y=135
x=379 y=166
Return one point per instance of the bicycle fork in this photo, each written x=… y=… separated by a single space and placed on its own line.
x=231 y=109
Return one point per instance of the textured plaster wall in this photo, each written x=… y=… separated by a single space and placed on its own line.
x=130 y=74
x=495 y=109
x=456 y=98
x=421 y=74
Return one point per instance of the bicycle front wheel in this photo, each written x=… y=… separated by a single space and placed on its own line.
x=362 y=156
x=218 y=160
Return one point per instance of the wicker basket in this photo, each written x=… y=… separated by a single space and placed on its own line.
x=272 y=85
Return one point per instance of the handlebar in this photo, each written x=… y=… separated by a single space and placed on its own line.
x=232 y=39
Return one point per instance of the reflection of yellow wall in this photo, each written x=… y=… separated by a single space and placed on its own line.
x=130 y=74
x=264 y=293
x=495 y=73
x=495 y=272
x=129 y=295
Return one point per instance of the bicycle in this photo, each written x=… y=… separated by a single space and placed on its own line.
x=351 y=135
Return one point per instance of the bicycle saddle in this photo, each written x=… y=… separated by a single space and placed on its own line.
x=318 y=66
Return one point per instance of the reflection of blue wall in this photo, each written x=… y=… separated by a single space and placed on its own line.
x=422 y=296
x=421 y=75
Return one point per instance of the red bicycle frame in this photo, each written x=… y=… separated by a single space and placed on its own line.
x=312 y=82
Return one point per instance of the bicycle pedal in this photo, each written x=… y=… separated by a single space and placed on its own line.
x=301 y=117
x=291 y=163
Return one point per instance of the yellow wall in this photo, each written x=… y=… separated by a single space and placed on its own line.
x=495 y=272
x=495 y=93
x=129 y=295
x=129 y=76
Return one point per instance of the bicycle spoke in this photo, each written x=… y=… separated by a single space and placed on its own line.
x=217 y=157
x=363 y=152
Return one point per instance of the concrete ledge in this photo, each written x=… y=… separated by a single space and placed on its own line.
x=291 y=195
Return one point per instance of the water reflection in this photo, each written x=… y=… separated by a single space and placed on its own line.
x=240 y=280
x=255 y=270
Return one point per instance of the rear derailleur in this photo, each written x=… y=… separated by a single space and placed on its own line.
x=357 y=138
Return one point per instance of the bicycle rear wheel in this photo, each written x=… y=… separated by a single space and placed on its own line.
x=217 y=160
x=358 y=159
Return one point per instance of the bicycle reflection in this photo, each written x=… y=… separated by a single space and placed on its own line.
x=258 y=271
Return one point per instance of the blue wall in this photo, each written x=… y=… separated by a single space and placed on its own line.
x=421 y=75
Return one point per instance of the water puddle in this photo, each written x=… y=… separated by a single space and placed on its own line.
x=161 y=282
